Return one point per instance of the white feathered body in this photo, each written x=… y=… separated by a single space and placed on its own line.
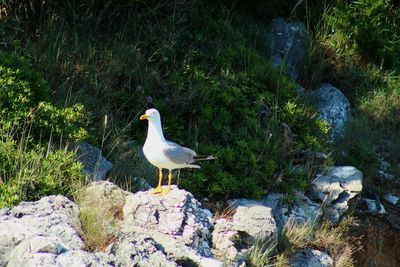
x=157 y=148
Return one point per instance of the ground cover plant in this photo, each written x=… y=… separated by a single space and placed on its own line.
x=33 y=163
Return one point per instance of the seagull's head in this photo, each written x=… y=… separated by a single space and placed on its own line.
x=151 y=115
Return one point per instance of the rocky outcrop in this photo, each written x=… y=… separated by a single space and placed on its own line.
x=335 y=188
x=328 y=197
x=171 y=230
x=137 y=249
x=311 y=258
x=39 y=232
x=49 y=250
x=95 y=166
x=175 y=222
x=287 y=45
x=177 y=214
x=252 y=220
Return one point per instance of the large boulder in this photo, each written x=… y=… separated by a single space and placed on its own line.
x=95 y=165
x=333 y=106
x=287 y=45
x=252 y=221
x=335 y=188
x=137 y=249
x=44 y=250
x=328 y=197
x=42 y=233
x=175 y=221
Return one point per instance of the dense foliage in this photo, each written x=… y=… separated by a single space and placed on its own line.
x=25 y=109
x=372 y=26
x=30 y=167
x=29 y=174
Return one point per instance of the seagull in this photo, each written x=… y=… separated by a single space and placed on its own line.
x=165 y=154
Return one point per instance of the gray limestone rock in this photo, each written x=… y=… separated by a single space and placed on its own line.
x=287 y=45
x=43 y=233
x=333 y=106
x=304 y=210
x=171 y=230
x=311 y=258
x=52 y=215
x=95 y=166
x=43 y=250
x=252 y=220
x=138 y=249
x=338 y=180
x=177 y=214
x=176 y=223
x=335 y=189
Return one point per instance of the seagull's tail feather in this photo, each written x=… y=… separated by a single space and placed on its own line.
x=193 y=166
x=203 y=157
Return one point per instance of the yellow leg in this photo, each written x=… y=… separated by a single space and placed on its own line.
x=166 y=191
x=158 y=189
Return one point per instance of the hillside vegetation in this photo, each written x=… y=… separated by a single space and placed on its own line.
x=71 y=71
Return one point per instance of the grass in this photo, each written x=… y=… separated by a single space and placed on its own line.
x=261 y=254
x=324 y=237
x=29 y=173
x=100 y=214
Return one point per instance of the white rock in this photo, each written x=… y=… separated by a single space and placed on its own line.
x=335 y=189
x=311 y=258
x=138 y=249
x=252 y=220
x=174 y=221
x=43 y=233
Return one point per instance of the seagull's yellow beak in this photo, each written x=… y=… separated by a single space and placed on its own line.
x=144 y=117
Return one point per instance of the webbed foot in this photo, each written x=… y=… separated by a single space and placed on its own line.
x=165 y=191
x=157 y=190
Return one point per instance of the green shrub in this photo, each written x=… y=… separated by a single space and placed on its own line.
x=25 y=106
x=372 y=26
x=29 y=174
x=29 y=124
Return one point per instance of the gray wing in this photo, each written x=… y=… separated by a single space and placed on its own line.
x=179 y=154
